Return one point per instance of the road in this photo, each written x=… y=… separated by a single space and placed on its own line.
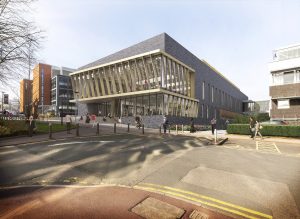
x=256 y=175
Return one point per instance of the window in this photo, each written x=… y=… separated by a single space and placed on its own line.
x=298 y=76
x=207 y=113
x=283 y=104
x=212 y=94
x=288 y=77
x=277 y=79
x=203 y=90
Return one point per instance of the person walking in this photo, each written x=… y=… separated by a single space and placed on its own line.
x=165 y=124
x=258 y=127
x=252 y=126
x=192 y=128
x=93 y=118
x=226 y=123
x=87 y=119
x=68 y=122
x=31 y=126
x=213 y=123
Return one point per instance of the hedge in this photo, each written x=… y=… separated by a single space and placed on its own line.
x=267 y=130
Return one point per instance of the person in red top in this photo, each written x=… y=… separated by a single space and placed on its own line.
x=93 y=118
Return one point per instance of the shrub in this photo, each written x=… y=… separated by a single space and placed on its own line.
x=242 y=129
x=244 y=119
x=268 y=130
x=15 y=127
x=4 y=131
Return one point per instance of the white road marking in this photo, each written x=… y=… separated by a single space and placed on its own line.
x=267 y=147
x=79 y=142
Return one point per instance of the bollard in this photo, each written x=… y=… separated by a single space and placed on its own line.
x=176 y=130
x=77 y=129
x=128 y=128
x=115 y=127
x=159 y=129
x=143 y=129
x=50 y=130
x=98 y=129
x=182 y=128
x=216 y=136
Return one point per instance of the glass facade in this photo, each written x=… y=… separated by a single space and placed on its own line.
x=61 y=94
x=158 y=104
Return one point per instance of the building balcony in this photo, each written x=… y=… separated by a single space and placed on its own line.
x=285 y=91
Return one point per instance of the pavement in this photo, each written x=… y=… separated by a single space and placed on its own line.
x=96 y=202
x=113 y=201
x=86 y=130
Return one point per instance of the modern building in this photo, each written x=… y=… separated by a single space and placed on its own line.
x=25 y=96
x=285 y=83
x=61 y=91
x=154 y=78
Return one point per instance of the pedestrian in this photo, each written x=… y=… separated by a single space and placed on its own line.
x=252 y=126
x=68 y=120
x=192 y=129
x=213 y=123
x=93 y=118
x=226 y=123
x=165 y=124
x=31 y=126
x=87 y=119
x=99 y=113
x=258 y=127
x=138 y=122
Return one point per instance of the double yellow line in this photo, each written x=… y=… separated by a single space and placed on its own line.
x=205 y=200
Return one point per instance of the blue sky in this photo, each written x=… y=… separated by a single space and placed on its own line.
x=236 y=37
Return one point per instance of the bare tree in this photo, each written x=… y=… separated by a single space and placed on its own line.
x=19 y=40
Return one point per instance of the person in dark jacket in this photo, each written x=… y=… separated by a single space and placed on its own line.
x=213 y=123
x=165 y=124
x=192 y=129
x=252 y=126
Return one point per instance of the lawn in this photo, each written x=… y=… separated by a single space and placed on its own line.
x=20 y=127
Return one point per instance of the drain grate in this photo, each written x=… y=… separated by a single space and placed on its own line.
x=152 y=208
x=198 y=215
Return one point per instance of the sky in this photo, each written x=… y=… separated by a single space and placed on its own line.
x=237 y=37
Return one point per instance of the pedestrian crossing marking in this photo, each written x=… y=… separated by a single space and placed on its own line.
x=267 y=147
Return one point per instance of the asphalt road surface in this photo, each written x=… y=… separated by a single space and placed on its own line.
x=248 y=174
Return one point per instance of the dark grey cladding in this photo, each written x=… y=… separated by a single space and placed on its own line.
x=203 y=71
x=157 y=42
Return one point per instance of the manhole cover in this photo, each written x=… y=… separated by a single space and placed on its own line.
x=152 y=208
